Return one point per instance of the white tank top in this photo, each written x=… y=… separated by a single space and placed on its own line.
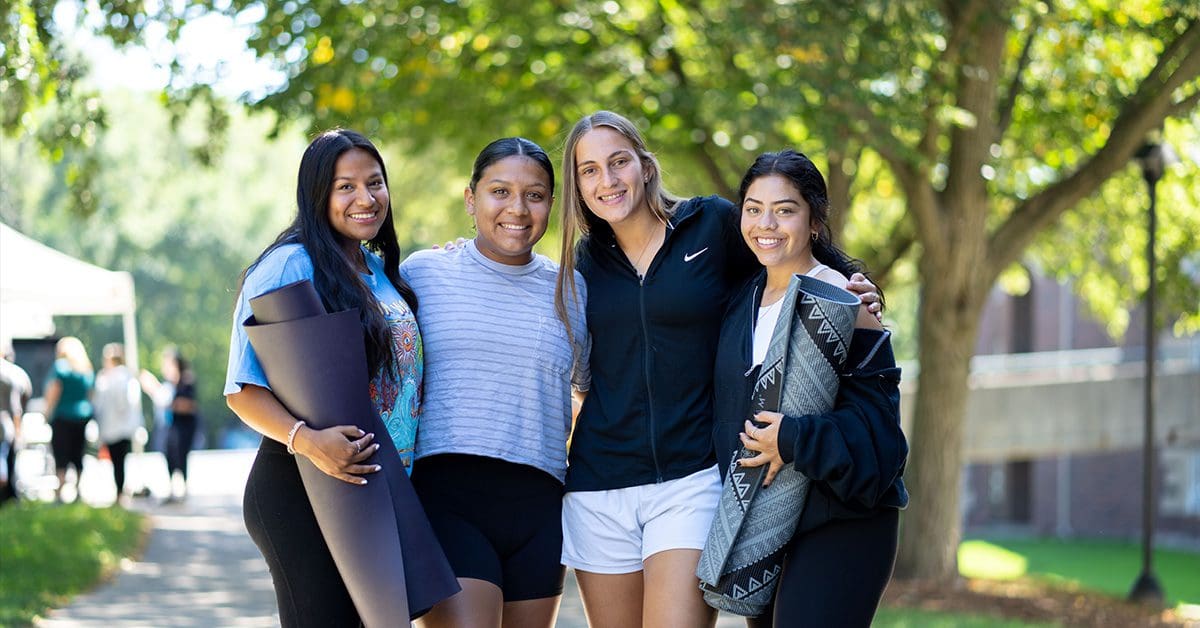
x=768 y=316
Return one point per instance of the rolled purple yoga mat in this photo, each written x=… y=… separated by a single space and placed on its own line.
x=380 y=539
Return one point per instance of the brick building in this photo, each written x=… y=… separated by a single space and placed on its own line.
x=1081 y=475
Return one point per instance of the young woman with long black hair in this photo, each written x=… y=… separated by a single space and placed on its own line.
x=840 y=558
x=344 y=241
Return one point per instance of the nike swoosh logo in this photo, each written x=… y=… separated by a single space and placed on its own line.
x=688 y=258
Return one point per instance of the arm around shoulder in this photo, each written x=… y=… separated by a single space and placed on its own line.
x=865 y=319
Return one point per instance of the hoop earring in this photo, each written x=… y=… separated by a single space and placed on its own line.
x=814 y=236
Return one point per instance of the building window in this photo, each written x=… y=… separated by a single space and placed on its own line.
x=1180 y=493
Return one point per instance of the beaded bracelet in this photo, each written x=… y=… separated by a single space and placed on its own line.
x=291 y=439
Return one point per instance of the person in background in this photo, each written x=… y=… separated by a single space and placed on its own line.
x=185 y=419
x=643 y=484
x=161 y=393
x=117 y=402
x=69 y=406
x=15 y=391
x=840 y=558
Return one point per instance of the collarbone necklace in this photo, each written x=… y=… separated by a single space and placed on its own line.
x=637 y=263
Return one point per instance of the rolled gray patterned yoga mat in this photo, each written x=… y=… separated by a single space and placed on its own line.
x=380 y=539
x=743 y=557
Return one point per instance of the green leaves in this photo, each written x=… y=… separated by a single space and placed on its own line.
x=184 y=225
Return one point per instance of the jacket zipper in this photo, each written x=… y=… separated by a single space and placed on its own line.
x=658 y=476
x=646 y=369
x=749 y=356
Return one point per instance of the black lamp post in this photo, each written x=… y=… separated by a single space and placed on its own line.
x=1153 y=159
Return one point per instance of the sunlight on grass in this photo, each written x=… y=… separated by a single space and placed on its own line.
x=1105 y=566
x=981 y=559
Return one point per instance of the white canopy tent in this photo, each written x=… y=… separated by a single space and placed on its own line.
x=38 y=282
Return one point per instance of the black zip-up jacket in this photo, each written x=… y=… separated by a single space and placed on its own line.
x=648 y=415
x=855 y=454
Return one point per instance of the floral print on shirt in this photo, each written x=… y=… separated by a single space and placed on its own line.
x=396 y=391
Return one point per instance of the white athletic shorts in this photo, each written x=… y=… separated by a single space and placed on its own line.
x=614 y=531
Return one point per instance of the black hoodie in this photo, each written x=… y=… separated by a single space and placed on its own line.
x=855 y=453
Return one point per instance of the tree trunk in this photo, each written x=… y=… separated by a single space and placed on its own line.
x=949 y=318
x=955 y=280
x=839 y=191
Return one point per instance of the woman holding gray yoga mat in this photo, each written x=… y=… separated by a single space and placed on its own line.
x=344 y=242
x=840 y=558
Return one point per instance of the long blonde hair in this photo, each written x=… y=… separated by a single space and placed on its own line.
x=71 y=349
x=579 y=221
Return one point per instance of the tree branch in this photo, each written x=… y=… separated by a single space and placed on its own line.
x=1172 y=50
x=959 y=15
x=1184 y=106
x=839 y=185
x=922 y=203
x=1005 y=114
x=899 y=243
x=701 y=152
x=1143 y=111
x=707 y=161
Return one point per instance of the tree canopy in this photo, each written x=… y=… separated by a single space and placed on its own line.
x=715 y=82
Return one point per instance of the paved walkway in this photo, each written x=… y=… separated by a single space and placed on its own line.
x=200 y=569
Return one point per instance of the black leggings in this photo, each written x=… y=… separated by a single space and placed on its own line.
x=9 y=490
x=835 y=575
x=308 y=588
x=117 y=452
x=179 y=443
x=67 y=441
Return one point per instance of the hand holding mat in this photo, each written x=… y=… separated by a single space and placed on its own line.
x=377 y=533
x=743 y=556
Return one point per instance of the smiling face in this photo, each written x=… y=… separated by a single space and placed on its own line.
x=777 y=224
x=511 y=207
x=612 y=180
x=358 y=200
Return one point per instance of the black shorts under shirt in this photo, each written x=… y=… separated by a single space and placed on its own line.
x=497 y=521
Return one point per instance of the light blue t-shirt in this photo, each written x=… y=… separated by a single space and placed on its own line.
x=395 y=394
x=499 y=363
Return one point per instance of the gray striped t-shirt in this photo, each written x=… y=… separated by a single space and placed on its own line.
x=498 y=366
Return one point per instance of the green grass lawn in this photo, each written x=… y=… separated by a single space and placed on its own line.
x=891 y=617
x=49 y=553
x=1110 y=567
